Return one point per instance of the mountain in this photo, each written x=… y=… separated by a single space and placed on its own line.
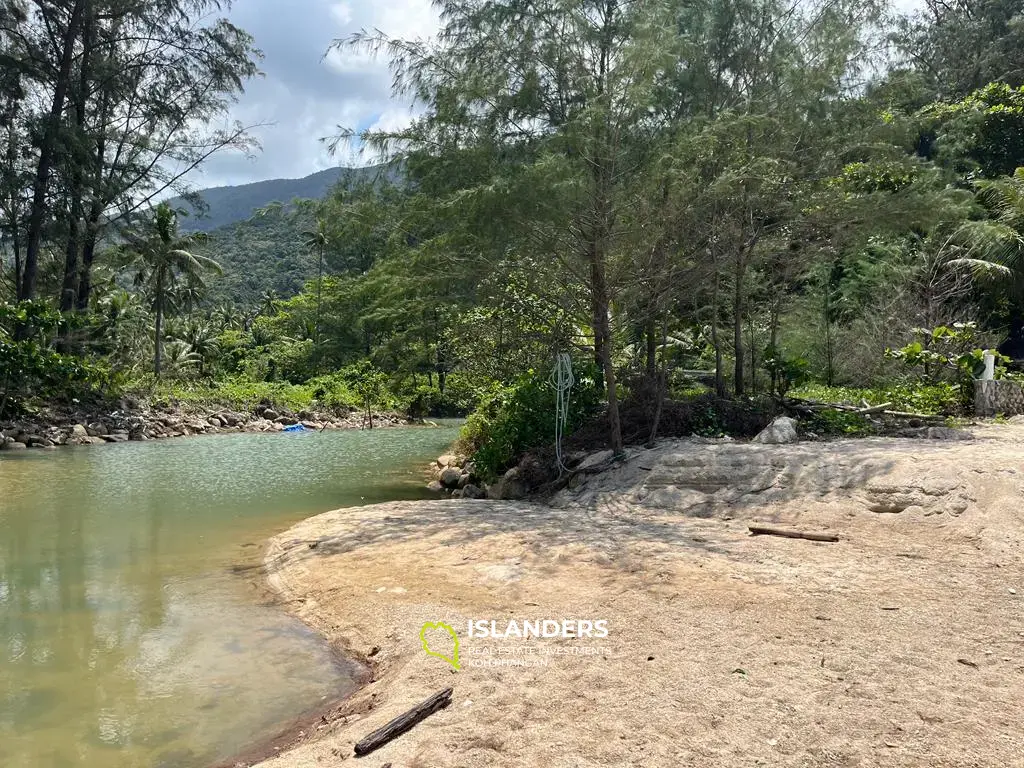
x=230 y=205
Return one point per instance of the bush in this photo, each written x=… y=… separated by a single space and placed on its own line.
x=512 y=420
x=31 y=369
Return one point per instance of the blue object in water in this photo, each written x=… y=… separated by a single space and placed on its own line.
x=294 y=428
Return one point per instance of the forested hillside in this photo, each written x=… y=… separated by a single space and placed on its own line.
x=218 y=207
x=814 y=196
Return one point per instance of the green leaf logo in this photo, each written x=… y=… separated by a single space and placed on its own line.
x=454 y=658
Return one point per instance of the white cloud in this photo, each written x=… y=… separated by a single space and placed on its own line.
x=304 y=95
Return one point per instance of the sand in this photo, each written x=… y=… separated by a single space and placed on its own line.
x=900 y=645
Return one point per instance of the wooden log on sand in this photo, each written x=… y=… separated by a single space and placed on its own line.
x=404 y=722
x=760 y=530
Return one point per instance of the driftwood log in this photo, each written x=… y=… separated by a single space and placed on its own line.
x=812 y=406
x=404 y=722
x=760 y=530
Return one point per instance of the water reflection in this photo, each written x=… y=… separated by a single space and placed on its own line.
x=124 y=639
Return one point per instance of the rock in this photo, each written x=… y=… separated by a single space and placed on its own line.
x=464 y=479
x=79 y=431
x=230 y=419
x=33 y=440
x=450 y=477
x=779 y=432
x=510 y=487
x=97 y=429
x=473 y=492
x=596 y=459
x=270 y=414
x=213 y=421
x=14 y=446
x=115 y=438
x=435 y=485
x=948 y=433
x=457 y=493
x=446 y=461
x=286 y=421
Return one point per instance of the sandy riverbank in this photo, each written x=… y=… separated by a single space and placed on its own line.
x=902 y=645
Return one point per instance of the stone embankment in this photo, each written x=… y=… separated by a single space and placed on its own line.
x=54 y=428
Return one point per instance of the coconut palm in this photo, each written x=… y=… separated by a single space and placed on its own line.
x=319 y=239
x=162 y=259
x=994 y=247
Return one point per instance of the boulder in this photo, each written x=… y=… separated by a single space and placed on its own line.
x=779 y=432
x=596 y=459
x=79 y=430
x=948 y=433
x=510 y=487
x=473 y=492
x=97 y=429
x=286 y=421
x=213 y=421
x=446 y=461
x=435 y=485
x=14 y=446
x=270 y=414
x=450 y=477
x=229 y=419
x=464 y=479
x=115 y=438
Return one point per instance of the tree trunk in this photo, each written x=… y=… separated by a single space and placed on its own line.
x=715 y=340
x=158 y=324
x=92 y=224
x=737 y=319
x=47 y=153
x=69 y=287
x=652 y=350
x=602 y=330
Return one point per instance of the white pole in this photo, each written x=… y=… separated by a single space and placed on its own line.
x=990 y=366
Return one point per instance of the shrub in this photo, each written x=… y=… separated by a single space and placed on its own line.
x=30 y=367
x=512 y=420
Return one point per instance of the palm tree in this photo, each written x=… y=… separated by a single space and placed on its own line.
x=318 y=238
x=162 y=259
x=269 y=302
x=994 y=247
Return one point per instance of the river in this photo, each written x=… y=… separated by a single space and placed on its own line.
x=132 y=634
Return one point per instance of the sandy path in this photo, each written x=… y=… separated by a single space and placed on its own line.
x=723 y=649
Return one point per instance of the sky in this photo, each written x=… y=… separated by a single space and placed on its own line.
x=302 y=97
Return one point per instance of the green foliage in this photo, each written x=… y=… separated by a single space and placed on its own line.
x=927 y=399
x=513 y=419
x=29 y=365
x=786 y=372
x=983 y=133
x=837 y=423
x=947 y=352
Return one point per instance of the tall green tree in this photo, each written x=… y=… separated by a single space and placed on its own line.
x=162 y=258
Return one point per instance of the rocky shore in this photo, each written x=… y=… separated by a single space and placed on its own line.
x=56 y=427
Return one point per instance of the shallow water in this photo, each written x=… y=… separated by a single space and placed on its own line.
x=129 y=634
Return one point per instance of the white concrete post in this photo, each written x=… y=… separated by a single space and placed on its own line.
x=990 y=366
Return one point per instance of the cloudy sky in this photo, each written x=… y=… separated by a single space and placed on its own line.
x=302 y=98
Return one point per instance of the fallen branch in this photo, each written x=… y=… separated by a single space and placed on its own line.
x=874 y=409
x=758 y=530
x=404 y=722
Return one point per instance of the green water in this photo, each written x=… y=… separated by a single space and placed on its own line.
x=129 y=635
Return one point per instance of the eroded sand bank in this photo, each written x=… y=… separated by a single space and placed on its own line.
x=902 y=645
